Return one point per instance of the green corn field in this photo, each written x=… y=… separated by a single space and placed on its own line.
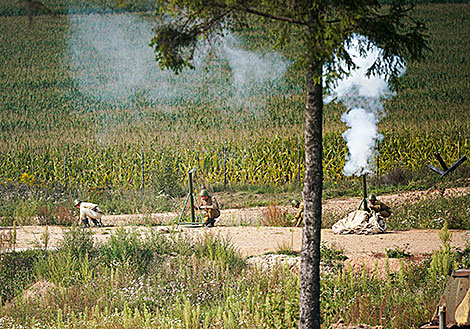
x=54 y=133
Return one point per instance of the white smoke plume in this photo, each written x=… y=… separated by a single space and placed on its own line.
x=112 y=62
x=360 y=138
x=362 y=95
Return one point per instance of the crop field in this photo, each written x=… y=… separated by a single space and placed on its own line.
x=60 y=125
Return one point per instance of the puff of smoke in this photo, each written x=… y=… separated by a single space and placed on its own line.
x=251 y=68
x=109 y=62
x=360 y=139
x=362 y=94
x=113 y=62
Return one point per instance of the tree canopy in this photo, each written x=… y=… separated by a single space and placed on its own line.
x=323 y=28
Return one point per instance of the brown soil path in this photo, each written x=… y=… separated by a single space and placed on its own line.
x=242 y=227
x=251 y=240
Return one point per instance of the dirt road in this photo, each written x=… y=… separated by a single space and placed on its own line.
x=259 y=240
x=367 y=250
x=242 y=227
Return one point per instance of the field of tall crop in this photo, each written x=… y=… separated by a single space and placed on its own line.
x=60 y=125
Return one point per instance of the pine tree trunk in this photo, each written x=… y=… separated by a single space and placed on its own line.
x=312 y=194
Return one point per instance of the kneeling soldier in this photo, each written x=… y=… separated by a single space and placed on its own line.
x=210 y=206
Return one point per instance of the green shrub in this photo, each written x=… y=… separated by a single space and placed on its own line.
x=397 y=253
x=76 y=241
x=220 y=250
x=16 y=272
x=445 y=260
x=126 y=248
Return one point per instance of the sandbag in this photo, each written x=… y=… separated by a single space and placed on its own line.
x=359 y=222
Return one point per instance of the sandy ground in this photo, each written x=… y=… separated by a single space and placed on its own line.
x=259 y=240
x=361 y=250
x=256 y=240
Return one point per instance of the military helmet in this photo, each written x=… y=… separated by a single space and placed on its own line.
x=295 y=203
x=77 y=202
x=204 y=192
x=372 y=197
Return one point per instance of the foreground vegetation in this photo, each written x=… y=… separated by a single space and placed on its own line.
x=163 y=281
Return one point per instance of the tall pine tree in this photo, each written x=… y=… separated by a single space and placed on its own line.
x=322 y=29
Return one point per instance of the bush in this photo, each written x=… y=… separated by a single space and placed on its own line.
x=397 y=253
x=274 y=215
x=63 y=215
x=77 y=241
x=126 y=248
x=219 y=250
x=16 y=272
x=45 y=215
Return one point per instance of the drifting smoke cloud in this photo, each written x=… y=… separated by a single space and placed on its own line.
x=362 y=95
x=113 y=62
x=250 y=68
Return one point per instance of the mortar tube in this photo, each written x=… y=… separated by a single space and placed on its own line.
x=364 y=190
x=191 y=196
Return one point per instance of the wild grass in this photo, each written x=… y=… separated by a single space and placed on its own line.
x=274 y=215
x=433 y=214
x=169 y=281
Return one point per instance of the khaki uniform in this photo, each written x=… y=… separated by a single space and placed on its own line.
x=299 y=217
x=91 y=211
x=381 y=209
x=211 y=207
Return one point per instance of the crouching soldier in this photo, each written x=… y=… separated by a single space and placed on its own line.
x=210 y=206
x=299 y=217
x=380 y=209
x=89 y=211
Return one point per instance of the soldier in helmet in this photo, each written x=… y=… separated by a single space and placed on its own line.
x=379 y=208
x=210 y=206
x=298 y=218
x=89 y=211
